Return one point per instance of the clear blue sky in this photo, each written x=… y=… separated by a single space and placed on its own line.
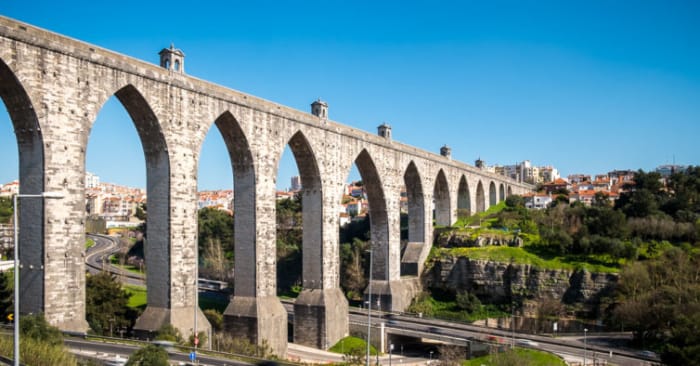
x=586 y=86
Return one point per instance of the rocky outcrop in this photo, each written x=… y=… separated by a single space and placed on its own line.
x=498 y=282
x=456 y=238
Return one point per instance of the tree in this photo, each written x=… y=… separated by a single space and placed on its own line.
x=353 y=279
x=6 y=294
x=6 y=210
x=515 y=201
x=150 y=355
x=141 y=212
x=467 y=301
x=214 y=262
x=36 y=327
x=684 y=344
x=169 y=333
x=216 y=319
x=106 y=304
x=215 y=224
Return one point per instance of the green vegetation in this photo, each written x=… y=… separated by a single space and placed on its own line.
x=7 y=286
x=350 y=344
x=446 y=305
x=150 y=355
x=6 y=210
x=41 y=344
x=659 y=300
x=116 y=261
x=485 y=218
x=215 y=243
x=106 y=304
x=527 y=255
x=137 y=296
x=89 y=243
x=517 y=357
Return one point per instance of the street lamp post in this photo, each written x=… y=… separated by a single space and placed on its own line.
x=369 y=306
x=15 y=199
x=391 y=348
x=585 y=348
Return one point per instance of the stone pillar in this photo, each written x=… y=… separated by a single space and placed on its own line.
x=321 y=310
x=61 y=263
x=389 y=291
x=171 y=245
x=255 y=312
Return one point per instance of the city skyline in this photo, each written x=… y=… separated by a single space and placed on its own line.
x=587 y=89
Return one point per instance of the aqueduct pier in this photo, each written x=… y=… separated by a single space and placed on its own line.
x=54 y=87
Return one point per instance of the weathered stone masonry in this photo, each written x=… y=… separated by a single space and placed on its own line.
x=54 y=87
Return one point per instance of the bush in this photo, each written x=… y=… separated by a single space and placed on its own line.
x=468 y=302
x=150 y=355
x=37 y=352
x=36 y=327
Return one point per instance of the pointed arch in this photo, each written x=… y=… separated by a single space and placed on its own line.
x=379 y=221
x=464 y=206
x=416 y=201
x=501 y=193
x=493 y=197
x=152 y=138
x=510 y=191
x=312 y=211
x=480 y=198
x=441 y=196
x=32 y=177
x=244 y=206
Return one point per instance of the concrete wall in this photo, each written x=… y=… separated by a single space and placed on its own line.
x=54 y=88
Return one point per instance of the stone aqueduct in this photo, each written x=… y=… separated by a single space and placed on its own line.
x=54 y=87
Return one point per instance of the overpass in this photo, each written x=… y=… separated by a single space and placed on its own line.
x=54 y=87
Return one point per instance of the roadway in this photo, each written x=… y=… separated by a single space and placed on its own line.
x=97 y=260
x=569 y=348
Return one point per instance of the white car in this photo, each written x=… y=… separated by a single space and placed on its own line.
x=526 y=343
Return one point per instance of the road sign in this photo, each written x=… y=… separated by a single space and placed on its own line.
x=196 y=341
x=193 y=356
x=11 y=317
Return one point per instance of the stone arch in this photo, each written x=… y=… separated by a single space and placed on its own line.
x=501 y=193
x=379 y=221
x=243 y=168
x=480 y=198
x=158 y=252
x=416 y=203
x=441 y=196
x=464 y=207
x=32 y=177
x=493 y=198
x=510 y=191
x=312 y=211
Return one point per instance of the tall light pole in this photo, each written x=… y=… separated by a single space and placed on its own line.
x=585 y=348
x=369 y=306
x=195 y=339
x=16 y=198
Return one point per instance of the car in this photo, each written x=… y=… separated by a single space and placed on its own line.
x=526 y=342
x=494 y=339
x=648 y=354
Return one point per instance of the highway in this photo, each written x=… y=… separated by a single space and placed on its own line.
x=97 y=261
x=460 y=333
x=89 y=347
